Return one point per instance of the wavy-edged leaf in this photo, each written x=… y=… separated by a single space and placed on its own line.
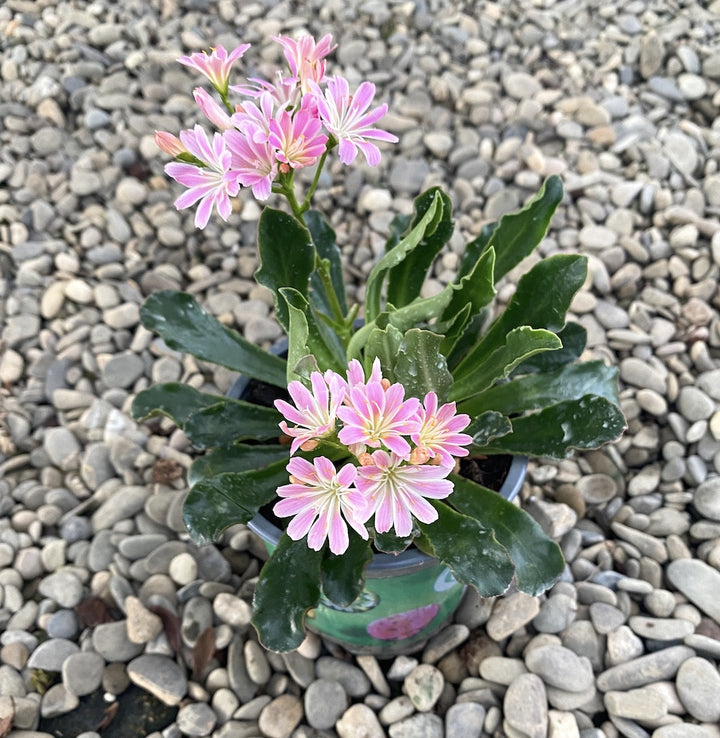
x=488 y=426
x=573 y=337
x=476 y=288
x=587 y=423
x=541 y=299
x=390 y=543
x=420 y=365
x=236 y=458
x=174 y=400
x=405 y=280
x=384 y=345
x=537 y=559
x=185 y=326
x=288 y=586
x=393 y=258
x=232 y=420
x=520 y=343
x=325 y=242
x=286 y=255
x=343 y=577
x=535 y=391
x=469 y=549
x=215 y=504
x=518 y=234
x=475 y=249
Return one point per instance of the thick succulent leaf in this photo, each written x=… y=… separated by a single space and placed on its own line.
x=424 y=229
x=235 y=458
x=325 y=242
x=520 y=343
x=390 y=543
x=175 y=400
x=420 y=365
x=476 y=288
x=589 y=422
x=185 y=326
x=518 y=234
x=232 y=420
x=233 y=497
x=286 y=255
x=421 y=310
x=573 y=337
x=384 y=345
x=537 y=558
x=406 y=279
x=534 y=391
x=469 y=549
x=541 y=300
x=308 y=335
x=475 y=249
x=343 y=577
x=288 y=586
x=488 y=426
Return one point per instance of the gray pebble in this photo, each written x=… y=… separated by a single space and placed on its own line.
x=196 y=719
x=50 y=655
x=423 y=725
x=525 y=706
x=325 y=701
x=698 y=686
x=82 y=673
x=354 y=682
x=160 y=676
x=560 y=667
x=644 y=670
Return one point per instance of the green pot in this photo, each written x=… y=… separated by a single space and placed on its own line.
x=407 y=598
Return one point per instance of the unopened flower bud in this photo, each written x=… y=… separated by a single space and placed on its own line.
x=169 y=144
x=385 y=383
x=419 y=455
x=365 y=459
x=309 y=445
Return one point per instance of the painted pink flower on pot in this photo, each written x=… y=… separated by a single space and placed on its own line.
x=404 y=624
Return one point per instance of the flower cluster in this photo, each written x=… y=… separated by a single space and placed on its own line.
x=278 y=128
x=400 y=451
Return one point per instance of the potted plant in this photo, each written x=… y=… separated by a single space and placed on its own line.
x=356 y=450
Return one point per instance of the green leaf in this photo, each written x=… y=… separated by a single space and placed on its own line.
x=383 y=344
x=343 y=577
x=421 y=310
x=488 y=426
x=288 y=586
x=394 y=257
x=287 y=258
x=541 y=300
x=476 y=288
x=520 y=343
x=235 y=458
x=573 y=337
x=586 y=423
x=420 y=365
x=475 y=249
x=176 y=401
x=535 y=391
x=537 y=559
x=471 y=551
x=232 y=420
x=324 y=239
x=185 y=326
x=518 y=234
x=390 y=543
x=229 y=498
x=406 y=279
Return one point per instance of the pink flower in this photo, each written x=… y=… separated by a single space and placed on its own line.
x=322 y=500
x=213 y=111
x=396 y=491
x=314 y=413
x=439 y=432
x=285 y=93
x=297 y=138
x=212 y=184
x=253 y=119
x=346 y=116
x=253 y=162
x=215 y=66
x=169 y=144
x=305 y=57
x=376 y=415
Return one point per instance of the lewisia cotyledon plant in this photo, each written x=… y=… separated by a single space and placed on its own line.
x=363 y=454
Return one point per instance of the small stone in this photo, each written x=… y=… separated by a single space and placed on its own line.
x=196 y=719
x=160 y=676
x=560 y=667
x=11 y=366
x=445 y=641
x=62 y=448
x=57 y=701
x=699 y=582
x=359 y=721
x=521 y=85
x=50 y=655
x=82 y=673
x=525 y=706
x=142 y=625
x=354 y=682
x=423 y=686
x=511 y=613
x=636 y=704
x=279 y=718
x=325 y=702
x=111 y=641
x=707 y=498
x=123 y=370
x=464 y=720
x=661 y=629
x=423 y=725
x=183 y=569
x=644 y=670
x=698 y=686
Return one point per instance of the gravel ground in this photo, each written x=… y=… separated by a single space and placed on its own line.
x=112 y=620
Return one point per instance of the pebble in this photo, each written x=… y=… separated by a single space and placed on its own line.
x=698 y=686
x=359 y=721
x=325 y=701
x=643 y=705
x=644 y=670
x=159 y=675
x=511 y=613
x=281 y=716
x=196 y=719
x=464 y=720
x=525 y=706
x=82 y=673
x=423 y=686
x=698 y=582
x=422 y=725
x=560 y=667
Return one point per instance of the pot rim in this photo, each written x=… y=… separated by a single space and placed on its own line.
x=383 y=564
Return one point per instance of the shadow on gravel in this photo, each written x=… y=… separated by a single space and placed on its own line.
x=134 y=714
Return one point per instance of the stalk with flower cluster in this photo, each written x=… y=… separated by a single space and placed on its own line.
x=364 y=449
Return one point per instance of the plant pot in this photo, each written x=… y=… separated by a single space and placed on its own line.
x=407 y=598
